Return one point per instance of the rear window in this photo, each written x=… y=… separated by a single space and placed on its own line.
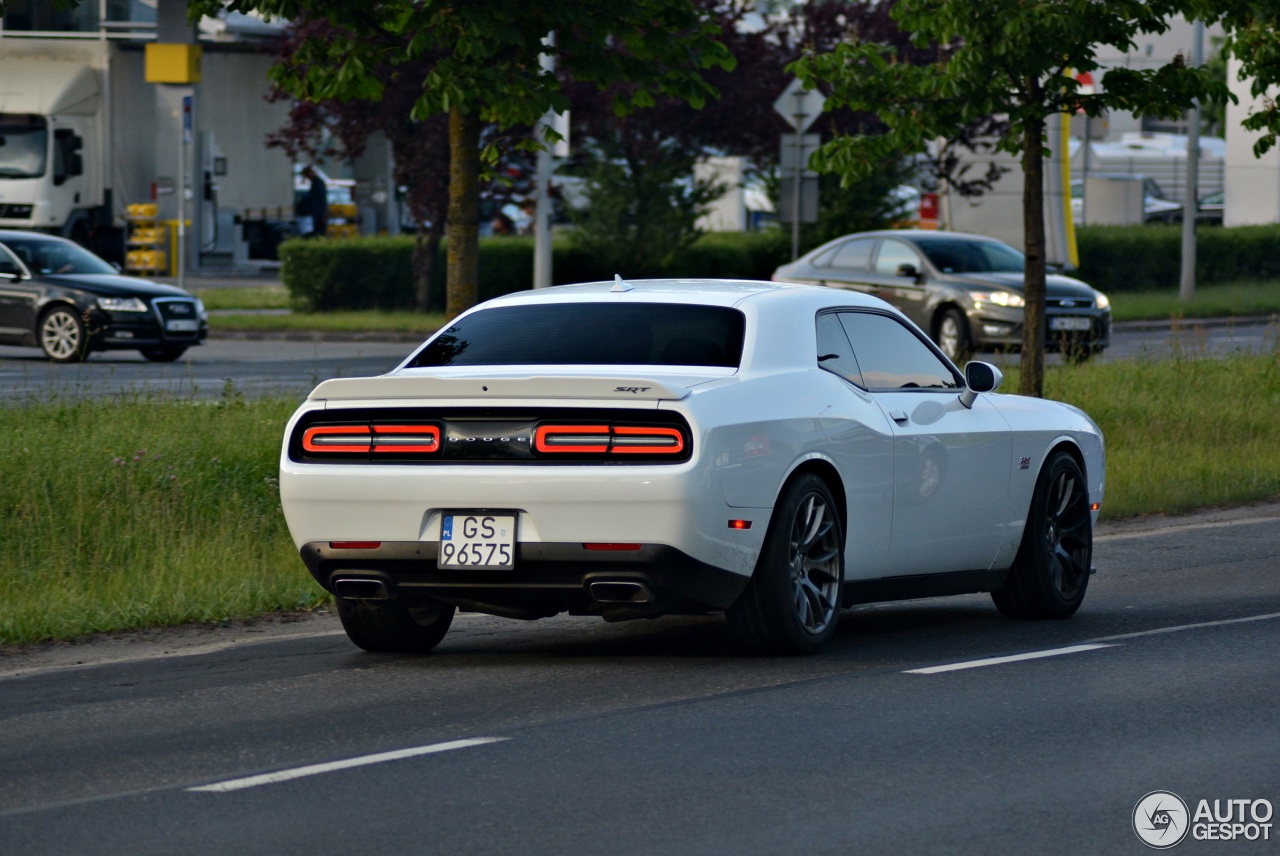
x=641 y=334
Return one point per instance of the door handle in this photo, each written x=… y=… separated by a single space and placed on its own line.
x=898 y=415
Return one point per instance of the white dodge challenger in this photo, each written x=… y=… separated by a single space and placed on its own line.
x=631 y=449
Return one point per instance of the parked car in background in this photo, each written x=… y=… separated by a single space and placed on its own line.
x=61 y=298
x=1156 y=207
x=634 y=449
x=1210 y=208
x=965 y=291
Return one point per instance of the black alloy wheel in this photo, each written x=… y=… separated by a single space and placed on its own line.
x=792 y=604
x=1050 y=573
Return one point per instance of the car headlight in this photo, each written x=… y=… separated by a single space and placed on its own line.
x=1103 y=303
x=999 y=298
x=122 y=304
x=200 y=310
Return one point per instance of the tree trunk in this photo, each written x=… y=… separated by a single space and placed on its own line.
x=1033 y=330
x=426 y=247
x=463 y=229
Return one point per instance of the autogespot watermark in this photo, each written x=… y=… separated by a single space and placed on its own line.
x=1162 y=819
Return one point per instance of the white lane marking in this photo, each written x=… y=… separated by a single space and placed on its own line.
x=1015 y=658
x=1181 y=627
x=1185 y=527
x=362 y=761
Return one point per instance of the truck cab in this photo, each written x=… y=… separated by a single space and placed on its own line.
x=50 y=175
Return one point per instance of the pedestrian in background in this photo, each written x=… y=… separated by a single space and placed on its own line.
x=314 y=210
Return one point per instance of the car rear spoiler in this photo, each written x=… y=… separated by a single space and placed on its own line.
x=560 y=387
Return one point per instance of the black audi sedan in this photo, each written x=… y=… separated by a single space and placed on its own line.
x=61 y=298
x=964 y=290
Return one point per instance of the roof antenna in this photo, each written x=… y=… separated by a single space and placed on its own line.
x=620 y=284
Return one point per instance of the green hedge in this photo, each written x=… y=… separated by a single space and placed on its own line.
x=377 y=272
x=1149 y=258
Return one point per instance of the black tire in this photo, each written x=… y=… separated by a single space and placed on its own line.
x=1050 y=574
x=395 y=628
x=792 y=604
x=62 y=336
x=952 y=335
x=163 y=353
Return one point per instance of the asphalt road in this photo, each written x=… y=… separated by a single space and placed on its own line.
x=571 y=736
x=280 y=366
x=253 y=367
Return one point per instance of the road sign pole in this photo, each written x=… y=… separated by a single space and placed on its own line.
x=796 y=194
x=799 y=106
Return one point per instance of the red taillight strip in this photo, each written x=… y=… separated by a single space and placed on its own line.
x=629 y=440
x=406 y=438
x=569 y=439
x=337 y=438
x=604 y=439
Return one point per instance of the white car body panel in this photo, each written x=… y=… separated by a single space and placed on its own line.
x=930 y=485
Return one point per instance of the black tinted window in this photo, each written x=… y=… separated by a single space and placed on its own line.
x=949 y=255
x=834 y=353
x=891 y=356
x=656 y=334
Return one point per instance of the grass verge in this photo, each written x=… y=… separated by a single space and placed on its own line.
x=126 y=513
x=1241 y=299
x=121 y=513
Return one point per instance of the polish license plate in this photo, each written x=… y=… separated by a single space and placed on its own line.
x=1068 y=323
x=477 y=541
x=182 y=326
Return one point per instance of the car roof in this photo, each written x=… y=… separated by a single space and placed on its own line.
x=737 y=293
x=20 y=235
x=909 y=234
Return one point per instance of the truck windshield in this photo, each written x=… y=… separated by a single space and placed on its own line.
x=24 y=145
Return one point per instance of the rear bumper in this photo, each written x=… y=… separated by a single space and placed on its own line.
x=548 y=578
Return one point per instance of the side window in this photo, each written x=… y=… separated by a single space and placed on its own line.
x=834 y=353
x=892 y=356
x=8 y=265
x=894 y=254
x=853 y=255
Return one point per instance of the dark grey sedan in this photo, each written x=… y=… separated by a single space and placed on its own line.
x=964 y=290
x=61 y=298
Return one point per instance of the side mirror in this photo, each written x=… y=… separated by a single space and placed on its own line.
x=908 y=270
x=979 y=378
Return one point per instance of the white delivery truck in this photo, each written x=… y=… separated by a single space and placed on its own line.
x=83 y=135
x=52 y=138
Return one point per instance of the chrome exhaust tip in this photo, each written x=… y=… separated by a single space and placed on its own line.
x=358 y=588
x=620 y=591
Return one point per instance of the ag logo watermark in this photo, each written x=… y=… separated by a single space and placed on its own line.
x=1162 y=819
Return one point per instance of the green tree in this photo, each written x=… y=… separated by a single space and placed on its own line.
x=485 y=68
x=1006 y=58
x=641 y=211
